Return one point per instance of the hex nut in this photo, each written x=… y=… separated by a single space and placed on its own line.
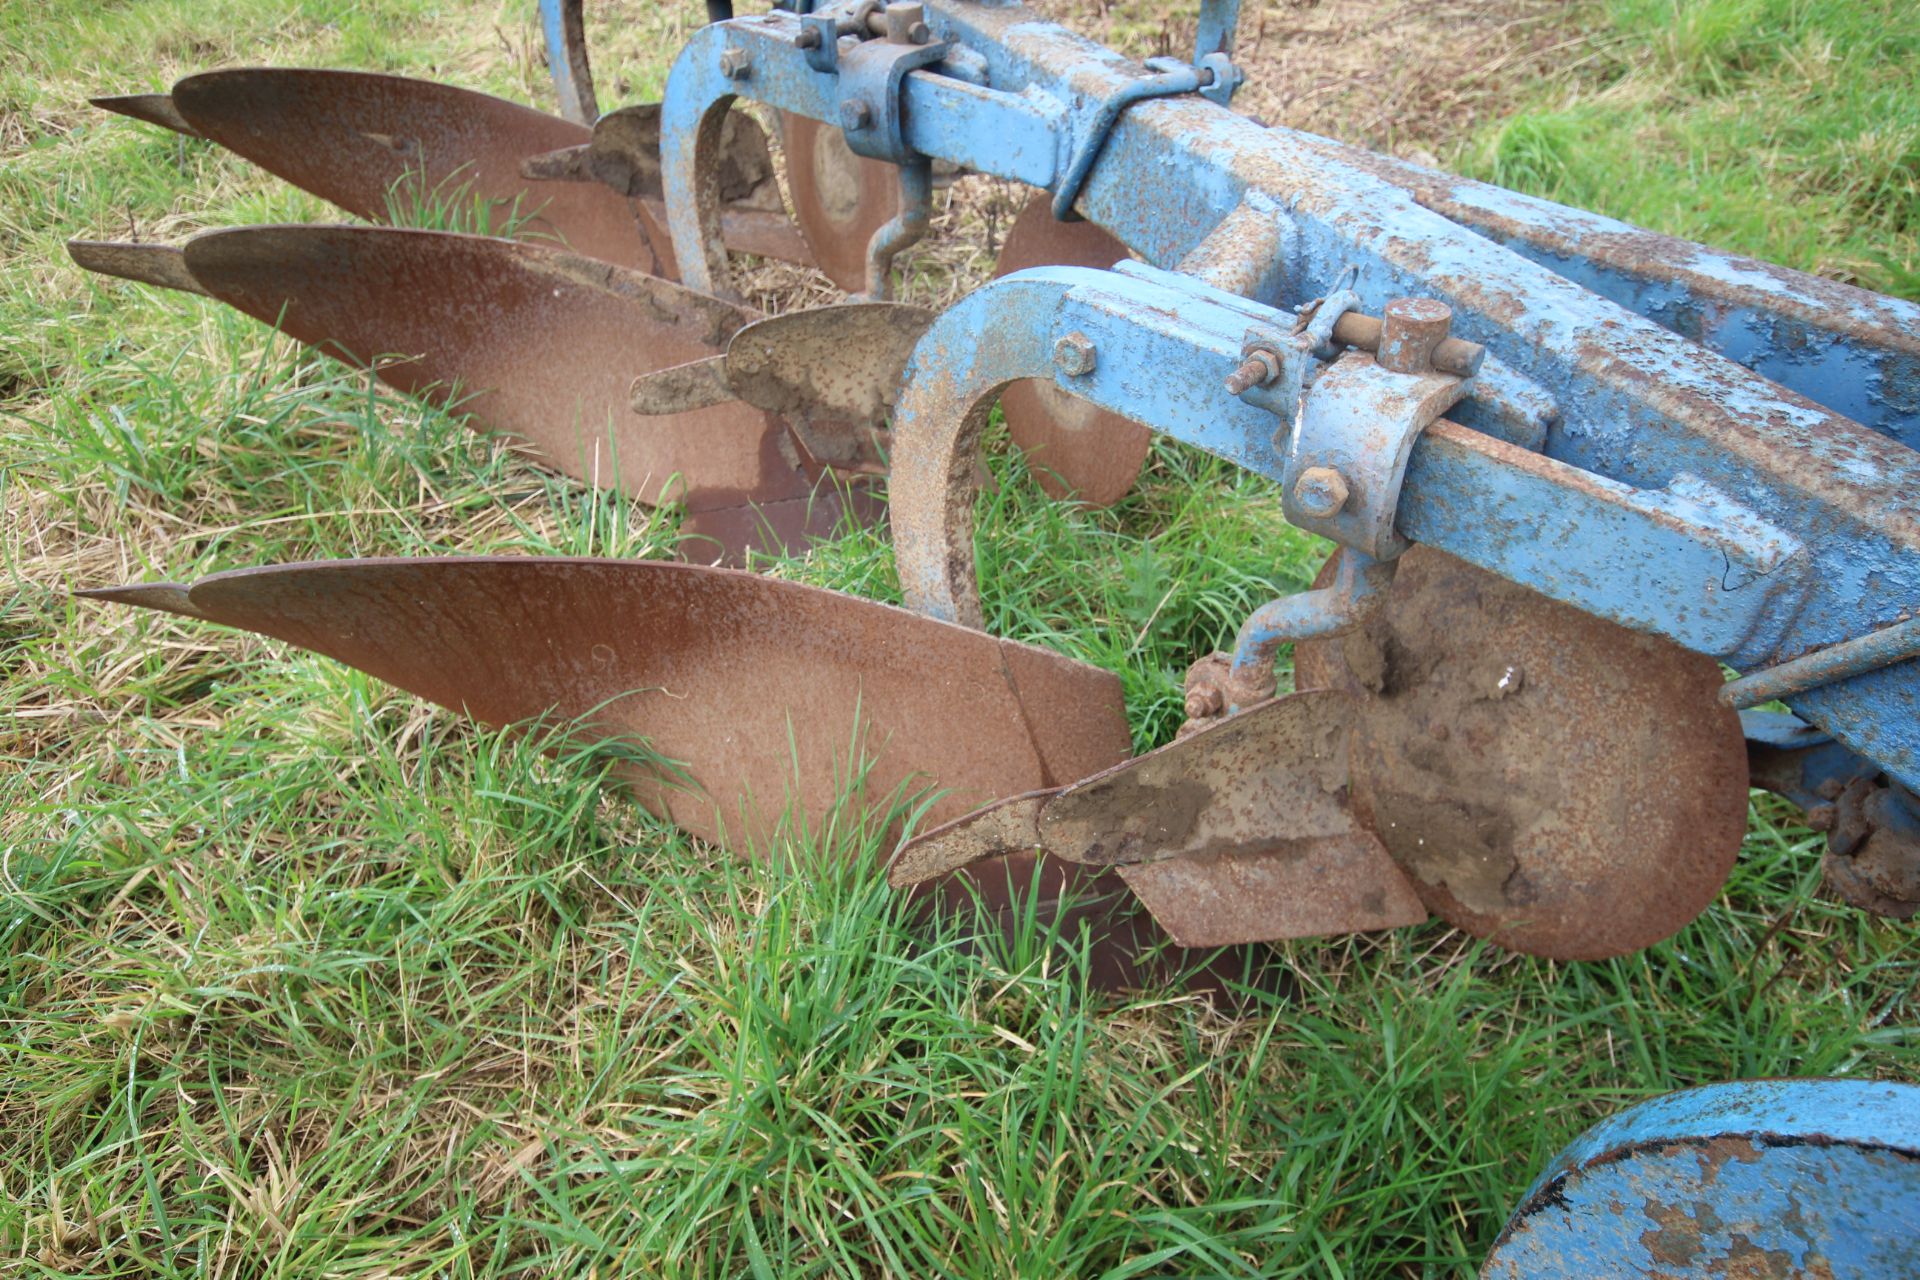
x=855 y=114
x=735 y=64
x=1074 y=355
x=1320 y=492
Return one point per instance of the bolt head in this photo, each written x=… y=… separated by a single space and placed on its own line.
x=809 y=38
x=1074 y=355
x=855 y=114
x=1320 y=492
x=735 y=64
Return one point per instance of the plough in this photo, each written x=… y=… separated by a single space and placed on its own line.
x=1573 y=470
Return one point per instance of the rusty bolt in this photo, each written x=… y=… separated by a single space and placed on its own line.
x=1074 y=354
x=1260 y=368
x=809 y=38
x=855 y=114
x=1320 y=492
x=735 y=64
x=1205 y=703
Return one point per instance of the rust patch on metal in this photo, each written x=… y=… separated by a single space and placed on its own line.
x=740 y=678
x=1076 y=449
x=529 y=340
x=1551 y=781
x=721 y=528
x=741 y=719
x=1675 y=1242
x=366 y=142
x=1010 y=826
x=839 y=199
x=1275 y=771
x=1236 y=833
x=1300 y=888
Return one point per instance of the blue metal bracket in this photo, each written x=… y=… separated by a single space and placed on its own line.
x=1091 y=126
x=1219 y=22
x=1345 y=603
x=871 y=74
x=1346 y=459
x=562 y=24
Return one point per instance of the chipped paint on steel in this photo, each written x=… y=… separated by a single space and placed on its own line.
x=1755 y=1180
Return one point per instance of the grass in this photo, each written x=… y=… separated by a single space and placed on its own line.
x=1784 y=129
x=302 y=977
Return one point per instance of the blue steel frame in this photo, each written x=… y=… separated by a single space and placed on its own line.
x=1645 y=474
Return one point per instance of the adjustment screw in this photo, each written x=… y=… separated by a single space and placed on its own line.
x=855 y=114
x=1074 y=354
x=735 y=64
x=1257 y=370
x=1320 y=492
x=809 y=38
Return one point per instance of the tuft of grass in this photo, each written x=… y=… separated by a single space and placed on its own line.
x=1784 y=129
x=452 y=204
x=304 y=977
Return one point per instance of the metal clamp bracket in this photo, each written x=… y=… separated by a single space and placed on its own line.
x=1356 y=423
x=1275 y=363
x=1172 y=78
x=1213 y=49
x=872 y=70
x=871 y=74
